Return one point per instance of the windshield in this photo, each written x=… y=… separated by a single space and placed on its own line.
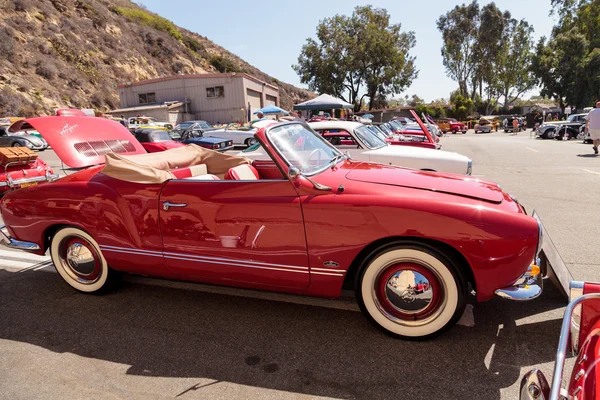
x=369 y=135
x=160 y=136
x=184 y=125
x=385 y=129
x=303 y=148
x=204 y=125
x=396 y=125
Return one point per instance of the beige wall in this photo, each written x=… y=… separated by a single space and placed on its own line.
x=231 y=107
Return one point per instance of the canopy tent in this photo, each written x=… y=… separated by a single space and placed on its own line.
x=271 y=109
x=323 y=102
x=368 y=116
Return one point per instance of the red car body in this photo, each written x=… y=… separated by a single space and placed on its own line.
x=581 y=326
x=279 y=232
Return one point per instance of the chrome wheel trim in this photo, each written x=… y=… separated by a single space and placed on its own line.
x=407 y=322
x=78 y=258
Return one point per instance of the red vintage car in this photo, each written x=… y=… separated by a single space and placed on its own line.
x=154 y=140
x=309 y=221
x=404 y=135
x=581 y=329
x=20 y=167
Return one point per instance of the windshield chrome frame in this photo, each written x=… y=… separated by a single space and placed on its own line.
x=307 y=126
x=363 y=142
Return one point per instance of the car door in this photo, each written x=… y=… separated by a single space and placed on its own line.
x=235 y=231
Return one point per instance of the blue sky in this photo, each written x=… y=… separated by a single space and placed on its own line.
x=243 y=27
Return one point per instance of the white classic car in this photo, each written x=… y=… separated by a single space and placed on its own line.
x=240 y=135
x=364 y=145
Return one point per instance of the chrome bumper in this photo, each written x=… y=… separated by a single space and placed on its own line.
x=16 y=183
x=528 y=287
x=7 y=241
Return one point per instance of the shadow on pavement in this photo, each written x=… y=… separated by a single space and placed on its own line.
x=166 y=332
x=592 y=155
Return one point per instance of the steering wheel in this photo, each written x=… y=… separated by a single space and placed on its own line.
x=312 y=153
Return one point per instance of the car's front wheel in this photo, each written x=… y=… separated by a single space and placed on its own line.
x=16 y=144
x=389 y=273
x=250 y=142
x=79 y=261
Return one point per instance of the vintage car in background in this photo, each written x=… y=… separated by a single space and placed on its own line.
x=145 y=122
x=451 y=125
x=213 y=143
x=306 y=221
x=581 y=329
x=240 y=135
x=362 y=144
x=410 y=134
x=568 y=131
x=155 y=140
x=197 y=126
x=25 y=137
x=485 y=125
x=509 y=127
x=21 y=168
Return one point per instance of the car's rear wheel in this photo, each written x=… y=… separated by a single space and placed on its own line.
x=16 y=145
x=454 y=131
x=79 y=261
x=386 y=291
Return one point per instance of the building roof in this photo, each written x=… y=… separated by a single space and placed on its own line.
x=148 y=107
x=197 y=76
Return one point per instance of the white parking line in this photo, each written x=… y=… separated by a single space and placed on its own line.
x=591 y=172
x=529 y=148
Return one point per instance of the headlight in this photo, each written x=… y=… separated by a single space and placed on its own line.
x=28 y=144
x=469 y=167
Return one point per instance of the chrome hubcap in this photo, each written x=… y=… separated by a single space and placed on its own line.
x=408 y=291
x=80 y=260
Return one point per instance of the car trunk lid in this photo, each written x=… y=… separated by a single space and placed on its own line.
x=82 y=141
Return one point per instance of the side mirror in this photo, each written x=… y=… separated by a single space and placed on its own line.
x=294 y=173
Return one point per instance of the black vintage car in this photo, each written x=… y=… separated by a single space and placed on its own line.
x=572 y=130
x=194 y=134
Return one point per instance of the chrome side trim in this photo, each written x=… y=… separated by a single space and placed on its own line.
x=236 y=264
x=206 y=259
x=328 y=270
x=7 y=241
x=563 y=342
x=325 y=273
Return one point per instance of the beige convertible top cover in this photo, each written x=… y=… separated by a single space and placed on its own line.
x=154 y=168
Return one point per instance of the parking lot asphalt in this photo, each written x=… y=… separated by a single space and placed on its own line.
x=157 y=339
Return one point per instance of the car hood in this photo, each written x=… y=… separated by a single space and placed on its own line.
x=414 y=152
x=458 y=185
x=82 y=141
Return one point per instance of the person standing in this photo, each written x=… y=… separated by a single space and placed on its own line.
x=592 y=125
x=515 y=124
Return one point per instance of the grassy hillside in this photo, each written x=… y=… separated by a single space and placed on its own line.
x=73 y=53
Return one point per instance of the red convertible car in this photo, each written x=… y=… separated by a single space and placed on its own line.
x=308 y=221
x=154 y=140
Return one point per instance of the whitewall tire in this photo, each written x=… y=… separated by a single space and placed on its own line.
x=411 y=291
x=79 y=261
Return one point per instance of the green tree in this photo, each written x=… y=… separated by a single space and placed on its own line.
x=462 y=105
x=363 y=53
x=460 y=32
x=513 y=67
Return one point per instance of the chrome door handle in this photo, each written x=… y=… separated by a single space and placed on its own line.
x=167 y=205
